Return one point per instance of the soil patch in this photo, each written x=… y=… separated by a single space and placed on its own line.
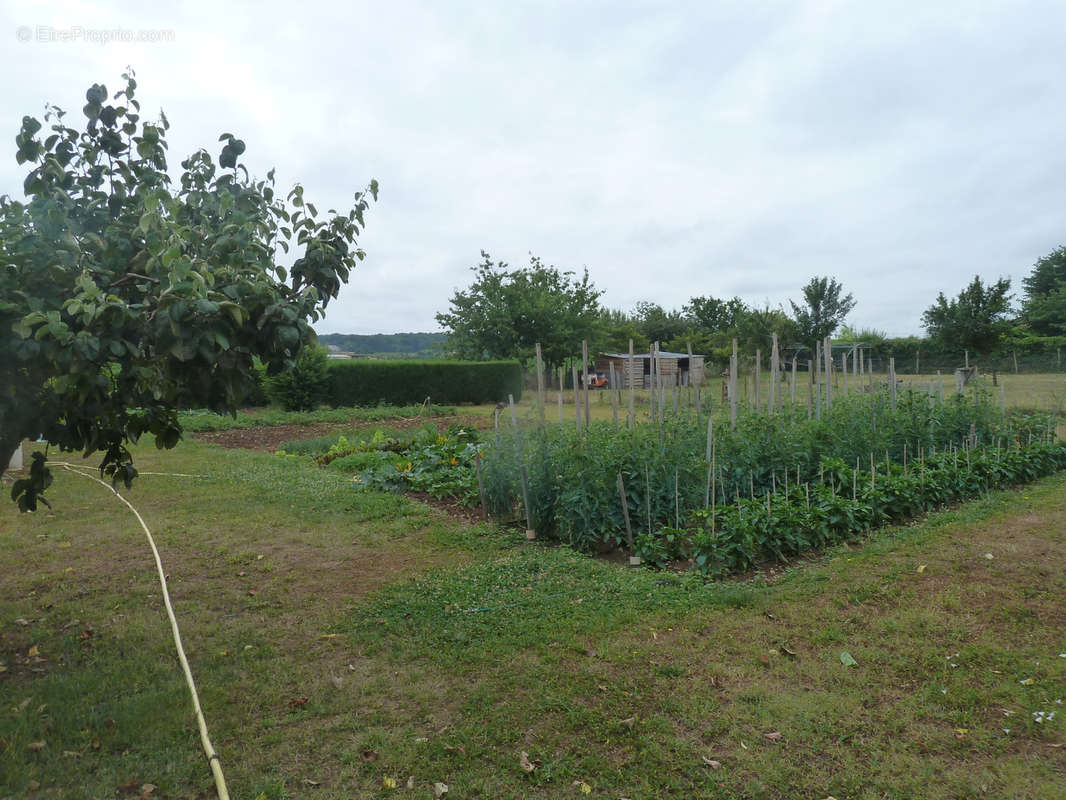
x=269 y=438
x=471 y=516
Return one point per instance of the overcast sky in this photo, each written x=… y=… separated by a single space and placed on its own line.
x=673 y=149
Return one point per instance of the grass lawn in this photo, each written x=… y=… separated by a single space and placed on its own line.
x=344 y=642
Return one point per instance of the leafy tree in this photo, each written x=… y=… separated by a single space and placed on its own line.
x=617 y=328
x=125 y=295
x=1046 y=313
x=824 y=308
x=505 y=312
x=657 y=324
x=713 y=315
x=756 y=327
x=975 y=320
x=1044 y=306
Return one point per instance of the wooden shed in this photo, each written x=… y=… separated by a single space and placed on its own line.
x=677 y=369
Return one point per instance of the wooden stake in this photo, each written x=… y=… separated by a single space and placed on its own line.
x=481 y=489
x=614 y=395
x=585 y=371
x=540 y=384
x=632 y=364
x=733 y=388
x=710 y=460
x=530 y=533
x=634 y=559
x=758 y=380
x=562 y=381
x=577 y=397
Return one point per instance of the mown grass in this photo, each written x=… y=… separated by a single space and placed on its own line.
x=344 y=638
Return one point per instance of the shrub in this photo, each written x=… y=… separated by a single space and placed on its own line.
x=360 y=382
x=305 y=386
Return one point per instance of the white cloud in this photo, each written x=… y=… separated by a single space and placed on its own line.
x=673 y=149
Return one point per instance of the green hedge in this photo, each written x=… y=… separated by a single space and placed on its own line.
x=359 y=382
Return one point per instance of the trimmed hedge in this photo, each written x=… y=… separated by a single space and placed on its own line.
x=358 y=382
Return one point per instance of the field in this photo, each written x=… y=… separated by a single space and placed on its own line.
x=345 y=642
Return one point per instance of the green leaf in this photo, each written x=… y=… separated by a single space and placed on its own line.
x=848 y=660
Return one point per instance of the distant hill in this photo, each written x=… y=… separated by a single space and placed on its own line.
x=414 y=345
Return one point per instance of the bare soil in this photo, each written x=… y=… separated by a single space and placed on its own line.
x=269 y=438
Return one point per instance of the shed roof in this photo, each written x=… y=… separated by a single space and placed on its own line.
x=662 y=354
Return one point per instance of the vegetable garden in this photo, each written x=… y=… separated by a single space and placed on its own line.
x=700 y=492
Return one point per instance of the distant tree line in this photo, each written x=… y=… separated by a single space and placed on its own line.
x=507 y=310
x=422 y=345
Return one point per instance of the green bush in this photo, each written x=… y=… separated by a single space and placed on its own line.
x=305 y=386
x=360 y=382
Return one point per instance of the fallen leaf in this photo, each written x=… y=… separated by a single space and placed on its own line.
x=370 y=755
x=764 y=659
x=989 y=556
x=23 y=705
x=253 y=592
x=710 y=762
x=582 y=787
x=36 y=746
x=330 y=636
x=337 y=682
x=848 y=660
x=457 y=748
x=34 y=785
x=147 y=789
x=629 y=722
x=72 y=753
x=526 y=764
x=921 y=568
x=21 y=621
x=601 y=687
x=961 y=732
x=310 y=782
x=33 y=652
x=299 y=701
x=1026 y=681
x=439 y=789
x=773 y=736
x=788 y=651
x=1057 y=745
x=389 y=783
x=410 y=782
